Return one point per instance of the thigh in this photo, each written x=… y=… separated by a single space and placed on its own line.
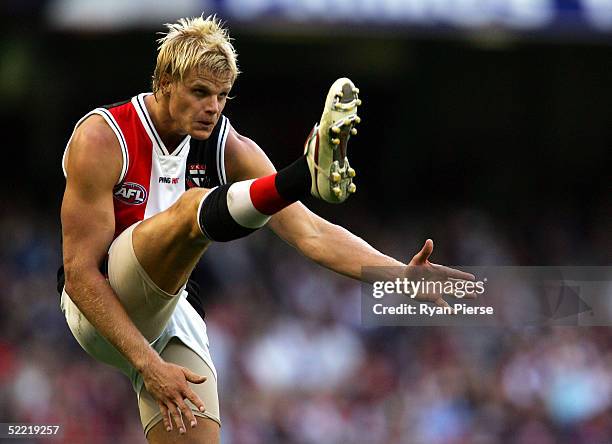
x=207 y=432
x=90 y=340
x=208 y=421
x=148 y=306
x=169 y=244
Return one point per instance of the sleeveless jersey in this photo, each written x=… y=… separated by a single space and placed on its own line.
x=152 y=178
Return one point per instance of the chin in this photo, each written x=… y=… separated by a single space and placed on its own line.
x=200 y=134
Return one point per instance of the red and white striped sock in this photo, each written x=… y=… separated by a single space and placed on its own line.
x=252 y=202
x=234 y=211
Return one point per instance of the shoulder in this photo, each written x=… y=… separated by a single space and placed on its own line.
x=244 y=159
x=239 y=146
x=94 y=130
x=94 y=150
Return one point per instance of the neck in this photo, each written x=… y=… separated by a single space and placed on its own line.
x=165 y=126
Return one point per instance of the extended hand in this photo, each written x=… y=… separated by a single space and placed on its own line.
x=420 y=268
x=168 y=385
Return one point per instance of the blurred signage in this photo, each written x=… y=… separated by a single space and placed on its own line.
x=528 y=15
x=517 y=14
x=524 y=13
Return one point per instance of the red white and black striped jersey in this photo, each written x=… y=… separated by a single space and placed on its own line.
x=152 y=178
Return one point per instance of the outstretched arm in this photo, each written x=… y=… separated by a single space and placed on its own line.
x=326 y=243
x=321 y=241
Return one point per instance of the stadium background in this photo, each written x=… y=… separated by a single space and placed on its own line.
x=493 y=140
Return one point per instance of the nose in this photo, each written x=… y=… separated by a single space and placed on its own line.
x=212 y=105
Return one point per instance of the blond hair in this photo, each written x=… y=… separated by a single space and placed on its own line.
x=195 y=43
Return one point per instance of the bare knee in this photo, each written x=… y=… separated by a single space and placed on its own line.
x=206 y=432
x=185 y=211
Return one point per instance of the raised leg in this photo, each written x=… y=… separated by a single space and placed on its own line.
x=169 y=245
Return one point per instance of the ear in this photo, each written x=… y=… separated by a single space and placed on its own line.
x=165 y=85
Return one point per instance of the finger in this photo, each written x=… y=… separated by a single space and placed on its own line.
x=461 y=294
x=195 y=399
x=441 y=303
x=422 y=256
x=452 y=273
x=169 y=417
x=165 y=416
x=193 y=377
x=178 y=419
x=187 y=413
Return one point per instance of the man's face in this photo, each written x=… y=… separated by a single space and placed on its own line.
x=196 y=103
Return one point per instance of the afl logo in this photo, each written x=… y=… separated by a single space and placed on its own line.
x=131 y=193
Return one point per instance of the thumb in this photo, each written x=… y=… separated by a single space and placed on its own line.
x=422 y=256
x=193 y=377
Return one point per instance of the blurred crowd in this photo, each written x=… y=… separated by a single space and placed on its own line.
x=517 y=129
x=295 y=364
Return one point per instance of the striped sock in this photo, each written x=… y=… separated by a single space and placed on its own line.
x=236 y=210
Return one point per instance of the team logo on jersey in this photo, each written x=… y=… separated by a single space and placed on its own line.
x=131 y=193
x=197 y=173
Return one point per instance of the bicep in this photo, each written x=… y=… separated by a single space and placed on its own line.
x=87 y=213
x=87 y=225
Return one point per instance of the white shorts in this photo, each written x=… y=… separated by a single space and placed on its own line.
x=160 y=317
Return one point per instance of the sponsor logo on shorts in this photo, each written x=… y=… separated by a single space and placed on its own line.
x=131 y=193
